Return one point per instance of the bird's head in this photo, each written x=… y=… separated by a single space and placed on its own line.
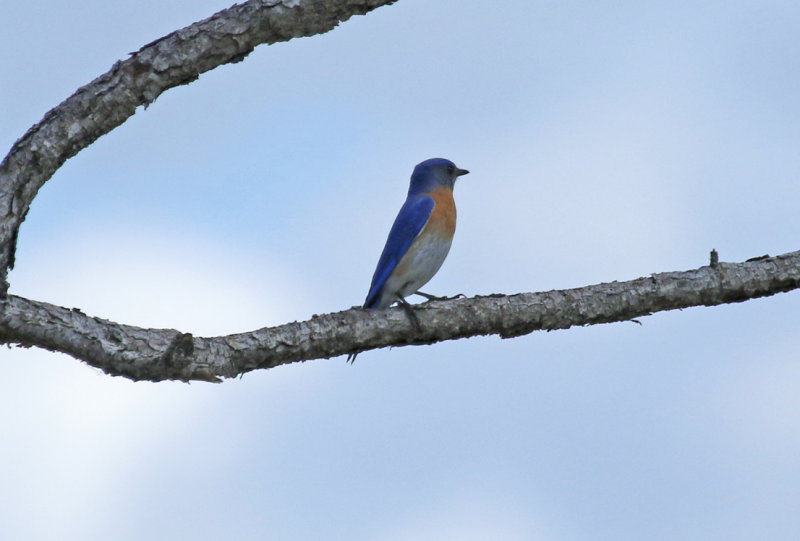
x=433 y=173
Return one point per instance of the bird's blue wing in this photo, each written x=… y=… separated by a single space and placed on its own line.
x=409 y=222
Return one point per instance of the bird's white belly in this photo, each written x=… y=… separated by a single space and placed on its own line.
x=418 y=265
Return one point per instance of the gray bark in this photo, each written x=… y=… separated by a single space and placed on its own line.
x=163 y=354
x=108 y=101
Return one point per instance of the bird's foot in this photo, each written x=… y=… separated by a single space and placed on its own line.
x=412 y=316
x=409 y=310
x=437 y=298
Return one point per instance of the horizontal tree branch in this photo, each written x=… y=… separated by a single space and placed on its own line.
x=108 y=101
x=165 y=354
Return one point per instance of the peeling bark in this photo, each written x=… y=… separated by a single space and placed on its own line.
x=163 y=354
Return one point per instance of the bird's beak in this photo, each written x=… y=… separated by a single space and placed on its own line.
x=460 y=172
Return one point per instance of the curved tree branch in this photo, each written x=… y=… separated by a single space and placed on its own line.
x=108 y=101
x=162 y=354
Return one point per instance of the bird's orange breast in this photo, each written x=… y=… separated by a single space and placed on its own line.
x=442 y=220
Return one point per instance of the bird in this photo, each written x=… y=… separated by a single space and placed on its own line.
x=419 y=239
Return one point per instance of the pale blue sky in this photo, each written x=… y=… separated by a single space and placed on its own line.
x=606 y=141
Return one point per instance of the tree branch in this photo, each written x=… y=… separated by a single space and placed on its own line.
x=162 y=354
x=108 y=101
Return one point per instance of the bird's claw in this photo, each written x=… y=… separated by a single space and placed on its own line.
x=409 y=310
x=430 y=297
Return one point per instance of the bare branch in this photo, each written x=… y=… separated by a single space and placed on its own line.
x=109 y=100
x=158 y=354
x=163 y=354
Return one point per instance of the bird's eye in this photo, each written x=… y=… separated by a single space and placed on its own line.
x=450 y=169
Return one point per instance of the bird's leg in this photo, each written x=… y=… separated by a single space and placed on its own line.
x=409 y=310
x=437 y=298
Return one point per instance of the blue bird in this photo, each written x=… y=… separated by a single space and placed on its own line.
x=420 y=238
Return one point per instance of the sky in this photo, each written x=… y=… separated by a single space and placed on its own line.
x=606 y=141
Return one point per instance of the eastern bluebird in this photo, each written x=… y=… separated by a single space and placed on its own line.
x=420 y=237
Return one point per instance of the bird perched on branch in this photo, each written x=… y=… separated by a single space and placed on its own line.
x=420 y=238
